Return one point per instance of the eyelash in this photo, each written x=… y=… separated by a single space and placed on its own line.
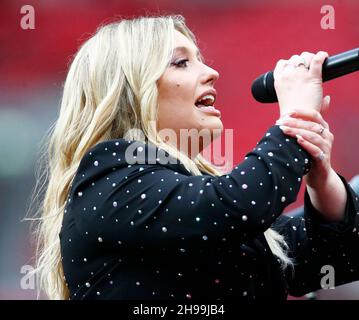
x=179 y=63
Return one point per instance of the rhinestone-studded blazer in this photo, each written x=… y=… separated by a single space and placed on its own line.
x=138 y=225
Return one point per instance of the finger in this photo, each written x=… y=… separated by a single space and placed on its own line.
x=279 y=67
x=310 y=136
x=302 y=124
x=317 y=64
x=309 y=114
x=312 y=149
x=295 y=60
x=308 y=57
x=325 y=105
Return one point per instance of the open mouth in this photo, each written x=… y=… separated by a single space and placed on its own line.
x=205 y=101
x=206 y=104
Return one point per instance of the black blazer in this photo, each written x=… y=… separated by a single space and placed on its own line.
x=152 y=230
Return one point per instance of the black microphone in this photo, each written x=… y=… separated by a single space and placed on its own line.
x=333 y=67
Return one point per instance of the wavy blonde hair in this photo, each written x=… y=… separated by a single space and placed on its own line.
x=110 y=89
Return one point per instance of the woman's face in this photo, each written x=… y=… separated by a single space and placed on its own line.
x=183 y=82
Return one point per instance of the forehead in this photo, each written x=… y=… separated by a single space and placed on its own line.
x=183 y=44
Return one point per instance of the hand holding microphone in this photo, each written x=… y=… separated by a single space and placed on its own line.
x=298 y=82
x=333 y=67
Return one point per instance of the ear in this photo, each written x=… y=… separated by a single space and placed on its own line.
x=325 y=105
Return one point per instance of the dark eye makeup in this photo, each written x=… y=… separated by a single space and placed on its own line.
x=181 y=63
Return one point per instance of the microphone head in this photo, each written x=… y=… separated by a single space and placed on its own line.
x=263 y=88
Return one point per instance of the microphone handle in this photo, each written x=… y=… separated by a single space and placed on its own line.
x=340 y=64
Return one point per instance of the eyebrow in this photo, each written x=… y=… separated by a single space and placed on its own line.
x=186 y=49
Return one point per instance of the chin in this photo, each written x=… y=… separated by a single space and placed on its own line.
x=214 y=124
x=215 y=127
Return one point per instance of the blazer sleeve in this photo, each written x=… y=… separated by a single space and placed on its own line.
x=157 y=206
x=315 y=244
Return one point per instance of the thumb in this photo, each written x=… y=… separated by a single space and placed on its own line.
x=325 y=105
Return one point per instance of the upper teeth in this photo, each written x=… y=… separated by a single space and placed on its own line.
x=208 y=96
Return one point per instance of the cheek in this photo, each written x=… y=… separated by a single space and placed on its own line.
x=177 y=109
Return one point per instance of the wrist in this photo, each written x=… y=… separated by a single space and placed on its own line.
x=321 y=181
x=317 y=179
x=329 y=197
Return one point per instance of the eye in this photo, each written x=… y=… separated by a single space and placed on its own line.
x=181 y=63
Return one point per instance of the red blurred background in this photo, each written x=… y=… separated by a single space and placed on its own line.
x=240 y=39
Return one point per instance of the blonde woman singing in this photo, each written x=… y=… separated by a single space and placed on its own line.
x=116 y=224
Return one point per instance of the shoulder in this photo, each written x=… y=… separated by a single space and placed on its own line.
x=119 y=158
x=113 y=175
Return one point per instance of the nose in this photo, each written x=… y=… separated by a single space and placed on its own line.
x=210 y=75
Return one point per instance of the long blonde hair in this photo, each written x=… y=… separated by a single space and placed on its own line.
x=110 y=89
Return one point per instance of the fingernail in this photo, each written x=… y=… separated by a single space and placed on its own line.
x=283 y=128
x=289 y=114
x=279 y=122
x=299 y=137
